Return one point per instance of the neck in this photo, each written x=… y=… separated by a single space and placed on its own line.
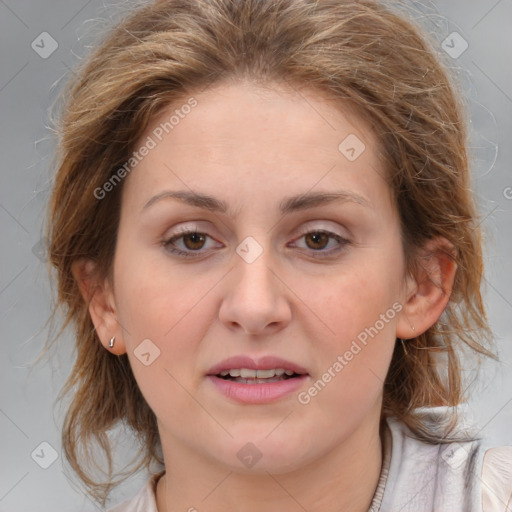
x=344 y=479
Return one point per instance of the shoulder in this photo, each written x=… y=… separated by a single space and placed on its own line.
x=143 y=501
x=463 y=475
x=497 y=479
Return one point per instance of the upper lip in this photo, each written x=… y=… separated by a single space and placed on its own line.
x=262 y=363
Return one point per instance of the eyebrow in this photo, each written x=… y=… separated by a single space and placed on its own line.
x=288 y=205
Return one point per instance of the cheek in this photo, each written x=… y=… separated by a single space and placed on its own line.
x=356 y=343
x=173 y=318
x=153 y=296
x=172 y=313
x=355 y=300
x=158 y=303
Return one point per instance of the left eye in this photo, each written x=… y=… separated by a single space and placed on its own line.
x=317 y=240
x=193 y=241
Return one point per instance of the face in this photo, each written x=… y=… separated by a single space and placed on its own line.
x=267 y=272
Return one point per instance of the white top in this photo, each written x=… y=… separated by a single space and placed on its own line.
x=417 y=476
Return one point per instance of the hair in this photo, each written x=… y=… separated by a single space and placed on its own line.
x=359 y=53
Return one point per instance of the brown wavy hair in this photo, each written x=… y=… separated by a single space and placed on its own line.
x=359 y=53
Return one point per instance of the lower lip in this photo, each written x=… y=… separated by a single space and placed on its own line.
x=257 y=393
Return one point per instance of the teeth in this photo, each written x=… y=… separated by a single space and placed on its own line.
x=246 y=373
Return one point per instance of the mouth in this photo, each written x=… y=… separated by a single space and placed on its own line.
x=249 y=376
x=250 y=381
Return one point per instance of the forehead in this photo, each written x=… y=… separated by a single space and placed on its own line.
x=241 y=113
x=275 y=137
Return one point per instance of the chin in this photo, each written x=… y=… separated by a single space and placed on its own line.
x=262 y=455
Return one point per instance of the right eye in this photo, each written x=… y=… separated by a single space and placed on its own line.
x=191 y=240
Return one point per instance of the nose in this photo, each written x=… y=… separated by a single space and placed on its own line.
x=256 y=298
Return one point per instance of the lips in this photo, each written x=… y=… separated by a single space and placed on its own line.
x=262 y=363
x=226 y=378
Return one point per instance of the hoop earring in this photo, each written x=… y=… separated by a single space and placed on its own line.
x=111 y=342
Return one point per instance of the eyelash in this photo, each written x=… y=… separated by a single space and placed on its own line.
x=318 y=254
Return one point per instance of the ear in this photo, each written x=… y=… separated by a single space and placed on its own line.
x=428 y=292
x=98 y=294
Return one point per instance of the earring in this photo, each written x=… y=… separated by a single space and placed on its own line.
x=403 y=346
x=112 y=341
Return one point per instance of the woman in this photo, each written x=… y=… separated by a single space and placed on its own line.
x=263 y=231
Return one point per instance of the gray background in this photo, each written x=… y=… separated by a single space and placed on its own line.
x=28 y=85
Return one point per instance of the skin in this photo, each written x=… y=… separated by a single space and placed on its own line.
x=252 y=147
